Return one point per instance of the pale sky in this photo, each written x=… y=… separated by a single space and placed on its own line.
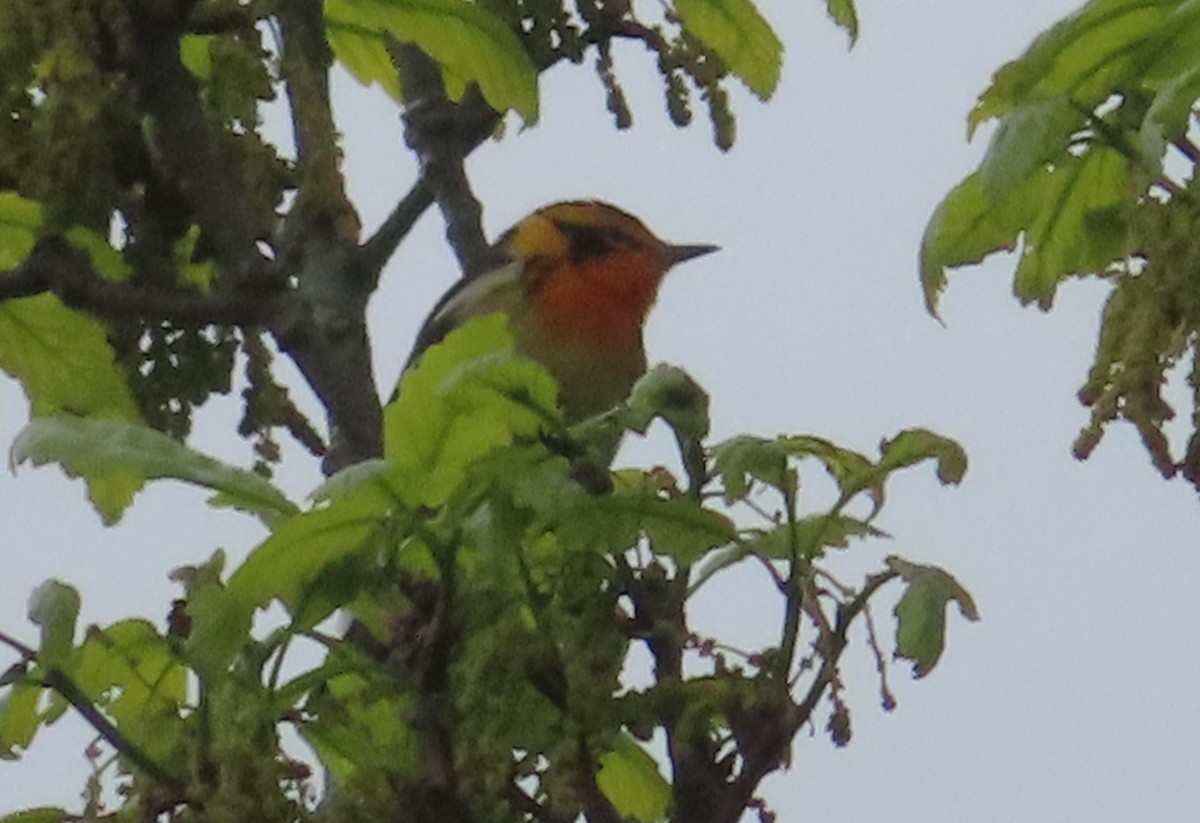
x=1073 y=699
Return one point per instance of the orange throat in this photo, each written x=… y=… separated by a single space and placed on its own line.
x=601 y=302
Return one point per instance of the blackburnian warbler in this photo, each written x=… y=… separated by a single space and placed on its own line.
x=581 y=280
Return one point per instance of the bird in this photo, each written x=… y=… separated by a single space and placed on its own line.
x=579 y=281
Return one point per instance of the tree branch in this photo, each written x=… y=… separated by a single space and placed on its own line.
x=66 y=687
x=58 y=681
x=321 y=203
x=54 y=266
x=442 y=134
x=770 y=749
x=379 y=248
x=183 y=142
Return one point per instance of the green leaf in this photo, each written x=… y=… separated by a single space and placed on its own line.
x=42 y=814
x=807 y=538
x=741 y=37
x=1080 y=226
x=668 y=392
x=965 y=228
x=62 y=359
x=126 y=455
x=471 y=45
x=467 y=396
x=914 y=446
x=54 y=607
x=131 y=671
x=19 y=719
x=354 y=480
x=630 y=779
x=1169 y=115
x=1073 y=215
x=357 y=728
x=108 y=262
x=1087 y=55
x=846 y=466
x=740 y=461
x=921 y=612
x=301 y=564
x=364 y=54
x=195 y=51
x=683 y=530
x=19 y=221
x=1030 y=136
x=845 y=15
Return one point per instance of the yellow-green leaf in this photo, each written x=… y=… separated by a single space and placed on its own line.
x=741 y=36
x=630 y=780
x=469 y=43
x=19 y=220
x=467 y=396
x=113 y=453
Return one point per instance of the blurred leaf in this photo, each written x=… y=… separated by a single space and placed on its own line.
x=471 y=45
x=351 y=480
x=741 y=36
x=43 y=814
x=630 y=779
x=54 y=608
x=921 y=612
x=108 y=262
x=1169 y=114
x=683 y=529
x=127 y=455
x=359 y=728
x=195 y=51
x=19 y=719
x=1030 y=136
x=809 y=537
x=20 y=219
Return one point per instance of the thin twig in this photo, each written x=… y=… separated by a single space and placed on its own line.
x=886 y=698
x=375 y=253
x=20 y=648
x=58 y=681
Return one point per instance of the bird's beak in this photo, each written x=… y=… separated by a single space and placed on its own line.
x=677 y=254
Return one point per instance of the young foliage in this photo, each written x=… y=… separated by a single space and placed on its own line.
x=469 y=44
x=1091 y=172
x=498 y=574
x=497 y=594
x=117 y=458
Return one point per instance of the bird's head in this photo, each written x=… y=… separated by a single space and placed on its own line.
x=592 y=271
x=578 y=231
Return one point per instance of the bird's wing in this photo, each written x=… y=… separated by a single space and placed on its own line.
x=497 y=290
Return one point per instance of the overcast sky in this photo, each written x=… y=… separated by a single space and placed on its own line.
x=1074 y=698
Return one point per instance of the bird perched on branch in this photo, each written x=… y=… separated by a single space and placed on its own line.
x=580 y=281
